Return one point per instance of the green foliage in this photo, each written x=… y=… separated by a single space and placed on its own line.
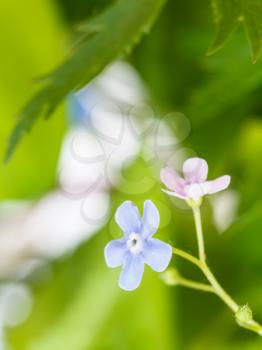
x=80 y=306
x=227 y=16
x=121 y=27
x=80 y=10
x=23 y=56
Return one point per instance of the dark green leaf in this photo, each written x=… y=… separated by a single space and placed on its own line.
x=121 y=27
x=227 y=16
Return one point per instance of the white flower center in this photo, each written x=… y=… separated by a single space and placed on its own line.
x=196 y=191
x=134 y=243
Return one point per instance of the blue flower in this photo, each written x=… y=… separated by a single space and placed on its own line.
x=137 y=247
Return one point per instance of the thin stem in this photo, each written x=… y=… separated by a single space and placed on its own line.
x=243 y=314
x=187 y=256
x=243 y=318
x=205 y=269
x=219 y=290
x=194 y=285
x=199 y=231
x=251 y=325
x=210 y=277
x=244 y=321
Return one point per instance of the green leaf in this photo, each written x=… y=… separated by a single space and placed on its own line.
x=120 y=28
x=227 y=16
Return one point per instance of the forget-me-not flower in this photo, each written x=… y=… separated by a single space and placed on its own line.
x=137 y=247
x=194 y=185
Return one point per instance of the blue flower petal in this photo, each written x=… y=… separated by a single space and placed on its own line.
x=157 y=254
x=150 y=219
x=132 y=272
x=114 y=252
x=128 y=218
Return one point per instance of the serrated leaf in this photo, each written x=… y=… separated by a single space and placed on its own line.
x=228 y=14
x=121 y=28
x=253 y=23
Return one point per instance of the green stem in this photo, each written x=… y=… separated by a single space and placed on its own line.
x=184 y=282
x=172 y=278
x=219 y=290
x=205 y=269
x=187 y=256
x=199 y=231
x=244 y=319
x=243 y=314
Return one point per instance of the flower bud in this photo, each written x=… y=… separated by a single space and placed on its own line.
x=171 y=276
x=244 y=315
x=244 y=318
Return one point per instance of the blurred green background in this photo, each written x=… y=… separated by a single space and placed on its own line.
x=79 y=305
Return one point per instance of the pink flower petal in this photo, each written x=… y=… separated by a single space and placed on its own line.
x=174 y=194
x=219 y=184
x=172 y=180
x=195 y=170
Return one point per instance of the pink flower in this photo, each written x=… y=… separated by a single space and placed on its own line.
x=194 y=185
